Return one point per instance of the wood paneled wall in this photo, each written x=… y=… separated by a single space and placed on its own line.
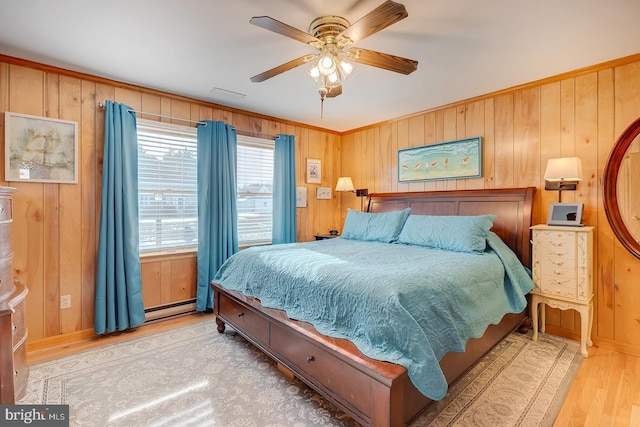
x=56 y=225
x=578 y=114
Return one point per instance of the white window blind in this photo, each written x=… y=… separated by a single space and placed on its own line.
x=167 y=187
x=167 y=190
x=255 y=186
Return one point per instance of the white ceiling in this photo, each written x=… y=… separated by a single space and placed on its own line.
x=465 y=48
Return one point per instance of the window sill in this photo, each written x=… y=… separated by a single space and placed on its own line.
x=169 y=254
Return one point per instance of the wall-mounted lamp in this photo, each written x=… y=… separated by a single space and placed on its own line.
x=346 y=184
x=563 y=174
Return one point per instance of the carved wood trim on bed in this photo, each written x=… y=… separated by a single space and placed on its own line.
x=378 y=393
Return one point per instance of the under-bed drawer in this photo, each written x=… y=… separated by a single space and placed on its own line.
x=320 y=366
x=241 y=317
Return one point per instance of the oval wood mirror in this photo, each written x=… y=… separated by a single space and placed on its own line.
x=621 y=188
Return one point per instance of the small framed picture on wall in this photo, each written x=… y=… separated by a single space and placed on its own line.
x=323 y=193
x=314 y=175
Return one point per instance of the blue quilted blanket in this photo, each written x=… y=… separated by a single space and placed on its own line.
x=398 y=303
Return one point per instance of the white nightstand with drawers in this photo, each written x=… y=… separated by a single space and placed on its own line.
x=563 y=275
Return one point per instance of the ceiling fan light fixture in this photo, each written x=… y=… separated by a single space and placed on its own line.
x=327 y=64
x=346 y=67
x=314 y=72
x=331 y=35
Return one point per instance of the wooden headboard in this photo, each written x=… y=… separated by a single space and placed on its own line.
x=512 y=207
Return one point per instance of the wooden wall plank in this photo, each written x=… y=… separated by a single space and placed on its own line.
x=51 y=224
x=489 y=143
x=450 y=133
x=403 y=142
x=386 y=161
x=88 y=177
x=474 y=126
x=416 y=139
x=605 y=261
x=503 y=160
x=70 y=216
x=183 y=273
x=430 y=138
x=526 y=129
x=26 y=95
x=150 y=274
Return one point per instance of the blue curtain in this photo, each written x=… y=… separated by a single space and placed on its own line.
x=217 y=211
x=284 y=190
x=118 y=303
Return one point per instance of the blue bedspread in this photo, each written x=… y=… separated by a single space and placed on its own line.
x=398 y=303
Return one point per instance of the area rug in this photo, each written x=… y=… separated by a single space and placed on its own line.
x=193 y=376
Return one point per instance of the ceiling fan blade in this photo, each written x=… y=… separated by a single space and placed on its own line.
x=282 y=68
x=334 y=91
x=382 y=60
x=378 y=19
x=271 y=24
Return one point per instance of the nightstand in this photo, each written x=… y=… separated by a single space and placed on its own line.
x=563 y=275
x=326 y=236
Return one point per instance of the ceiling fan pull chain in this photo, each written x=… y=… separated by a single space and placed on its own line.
x=323 y=93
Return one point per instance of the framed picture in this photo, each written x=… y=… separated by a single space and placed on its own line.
x=447 y=160
x=40 y=149
x=301 y=197
x=314 y=174
x=323 y=193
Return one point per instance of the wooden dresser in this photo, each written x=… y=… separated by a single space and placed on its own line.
x=13 y=330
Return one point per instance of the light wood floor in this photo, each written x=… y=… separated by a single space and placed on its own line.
x=605 y=392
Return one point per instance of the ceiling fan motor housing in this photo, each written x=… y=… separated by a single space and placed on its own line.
x=327 y=28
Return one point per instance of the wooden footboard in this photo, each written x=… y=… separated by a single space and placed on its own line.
x=374 y=393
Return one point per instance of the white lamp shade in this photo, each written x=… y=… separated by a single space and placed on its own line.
x=345 y=184
x=563 y=169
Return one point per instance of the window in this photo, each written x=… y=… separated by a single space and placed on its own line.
x=167 y=190
x=255 y=186
x=167 y=187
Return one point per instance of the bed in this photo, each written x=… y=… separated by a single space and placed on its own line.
x=374 y=392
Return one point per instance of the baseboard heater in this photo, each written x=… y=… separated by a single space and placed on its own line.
x=162 y=312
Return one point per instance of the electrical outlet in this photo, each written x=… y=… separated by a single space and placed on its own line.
x=65 y=301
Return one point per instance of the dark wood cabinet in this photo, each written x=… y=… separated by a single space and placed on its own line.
x=13 y=331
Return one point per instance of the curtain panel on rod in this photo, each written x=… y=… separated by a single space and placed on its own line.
x=217 y=210
x=118 y=300
x=284 y=190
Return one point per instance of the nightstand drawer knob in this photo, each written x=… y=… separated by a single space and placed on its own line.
x=310 y=359
x=240 y=314
x=14 y=329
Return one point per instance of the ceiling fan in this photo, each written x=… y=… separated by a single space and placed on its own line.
x=333 y=37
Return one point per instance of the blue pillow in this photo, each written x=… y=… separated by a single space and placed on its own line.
x=452 y=233
x=377 y=227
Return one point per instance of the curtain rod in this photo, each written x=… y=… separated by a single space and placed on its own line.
x=102 y=106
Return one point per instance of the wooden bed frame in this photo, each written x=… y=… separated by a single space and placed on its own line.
x=378 y=393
